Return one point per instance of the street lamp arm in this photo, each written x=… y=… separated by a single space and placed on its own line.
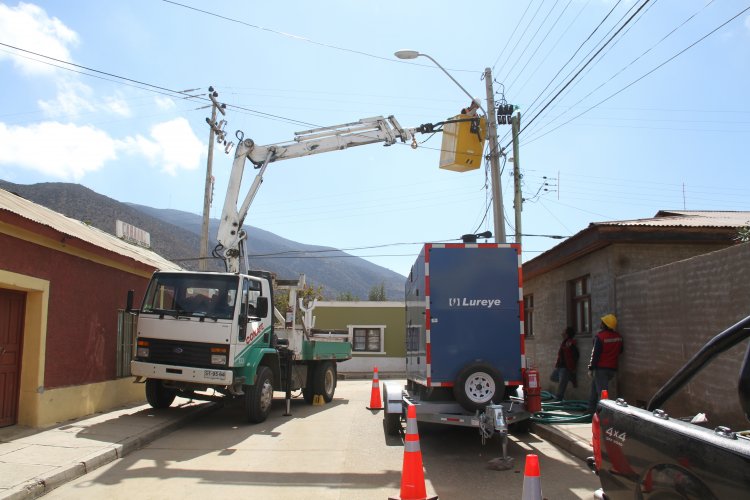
x=413 y=54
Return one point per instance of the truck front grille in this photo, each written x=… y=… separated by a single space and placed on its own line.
x=178 y=353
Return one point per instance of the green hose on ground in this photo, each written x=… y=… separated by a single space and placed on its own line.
x=561 y=412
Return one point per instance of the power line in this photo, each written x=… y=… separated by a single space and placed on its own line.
x=304 y=39
x=528 y=6
x=525 y=29
x=644 y=75
x=582 y=68
x=549 y=32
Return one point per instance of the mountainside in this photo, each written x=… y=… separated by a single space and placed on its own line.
x=176 y=236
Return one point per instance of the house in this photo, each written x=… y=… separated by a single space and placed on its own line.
x=376 y=330
x=673 y=280
x=61 y=285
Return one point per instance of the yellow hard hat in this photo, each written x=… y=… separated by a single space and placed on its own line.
x=610 y=320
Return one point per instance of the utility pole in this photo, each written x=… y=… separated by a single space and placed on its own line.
x=515 y=123
x=497 y=192
x=212 y=94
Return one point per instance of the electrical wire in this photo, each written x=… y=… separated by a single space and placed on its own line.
x=644 y=75
x=531 y=40
x=570 y=81
x=303 y=39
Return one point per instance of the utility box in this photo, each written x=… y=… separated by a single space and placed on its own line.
x=464 y=319
x=463 y=143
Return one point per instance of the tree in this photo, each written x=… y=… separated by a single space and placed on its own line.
x=347 y=297
x=377 y=293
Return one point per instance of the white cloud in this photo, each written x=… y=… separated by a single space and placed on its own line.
x=173 y=145
x=72 y=99
x=63 y=151
x=69 y=152
x=164 y=103
x=29 y=27
x=117 y=105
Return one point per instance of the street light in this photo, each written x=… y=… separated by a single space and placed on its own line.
x=494 y=154
x=413 y=54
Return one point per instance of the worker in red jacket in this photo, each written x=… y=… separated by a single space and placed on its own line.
x=604 y=358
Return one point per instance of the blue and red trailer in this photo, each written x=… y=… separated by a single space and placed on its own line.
x=465 y=354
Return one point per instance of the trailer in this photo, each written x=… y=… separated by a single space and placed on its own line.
x=465 y=356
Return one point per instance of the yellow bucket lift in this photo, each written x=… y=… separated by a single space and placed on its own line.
x=463 y=143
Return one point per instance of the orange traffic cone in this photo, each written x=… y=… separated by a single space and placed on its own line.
x=532 y=483
x=412 y=473
x=375 y=400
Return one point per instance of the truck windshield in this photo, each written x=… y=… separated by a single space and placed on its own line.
x=182 y=294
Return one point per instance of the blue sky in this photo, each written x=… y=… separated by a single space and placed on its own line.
x=113 y=121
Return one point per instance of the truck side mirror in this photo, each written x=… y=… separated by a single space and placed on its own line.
x=261 y=307
x=129 y=301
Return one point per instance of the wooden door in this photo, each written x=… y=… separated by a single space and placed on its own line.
x=12 y=306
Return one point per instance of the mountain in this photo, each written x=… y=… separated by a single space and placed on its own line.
x=176 y=236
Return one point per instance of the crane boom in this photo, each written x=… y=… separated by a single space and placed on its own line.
x=309 y=142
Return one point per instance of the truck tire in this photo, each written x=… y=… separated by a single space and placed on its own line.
x=478 y=385
x=157 y=395
x=258 y=397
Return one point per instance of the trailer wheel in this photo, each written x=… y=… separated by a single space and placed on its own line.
x=477 y=385
x=157 y=395
x=258 y=397
x=392 y=423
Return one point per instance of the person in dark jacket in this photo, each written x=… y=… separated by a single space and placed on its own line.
x=608 y=346
x=567 y=360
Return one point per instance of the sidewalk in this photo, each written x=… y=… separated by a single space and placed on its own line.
x=34 y=462
x=573 y=438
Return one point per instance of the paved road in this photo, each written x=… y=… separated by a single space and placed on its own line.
x=336 y=451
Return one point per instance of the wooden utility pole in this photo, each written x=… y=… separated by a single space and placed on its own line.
x=212 y=94
x=497 y=191
x=517 y=199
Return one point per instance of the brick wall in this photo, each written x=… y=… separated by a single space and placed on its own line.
x=668 y=313
x=551 y=301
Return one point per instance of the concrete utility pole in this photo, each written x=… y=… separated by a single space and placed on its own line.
x=212 y=94
x=517 y=199
x=497 y=192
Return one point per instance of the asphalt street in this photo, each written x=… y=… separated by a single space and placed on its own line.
x=335 y=451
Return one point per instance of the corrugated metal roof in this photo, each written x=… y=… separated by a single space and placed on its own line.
x=687 y=218
x=77 y=229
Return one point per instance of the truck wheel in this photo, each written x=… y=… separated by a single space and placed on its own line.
x=258 y=397
x=325 y=380
x=478 y=385
x=157 y=395
x=308 y=392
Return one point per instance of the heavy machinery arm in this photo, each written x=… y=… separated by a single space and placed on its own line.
x=309 y=142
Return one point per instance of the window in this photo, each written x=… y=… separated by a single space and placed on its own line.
x=528 y=315
x=580 y=304
x=367 y=338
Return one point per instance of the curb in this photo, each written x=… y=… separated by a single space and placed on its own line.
x=572 y=444
x=41 y=485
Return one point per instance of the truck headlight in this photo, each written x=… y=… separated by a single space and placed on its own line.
x=218 y=359
x=142 y=350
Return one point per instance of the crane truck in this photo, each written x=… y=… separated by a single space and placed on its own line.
x=209 y=336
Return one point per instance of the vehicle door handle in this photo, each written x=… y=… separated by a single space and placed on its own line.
x=2 y=351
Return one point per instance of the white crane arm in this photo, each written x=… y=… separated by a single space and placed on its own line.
x=305 y=143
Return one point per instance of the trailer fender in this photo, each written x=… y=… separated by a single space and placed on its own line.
x=393 y=397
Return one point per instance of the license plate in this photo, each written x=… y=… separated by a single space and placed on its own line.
x=213 y=374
